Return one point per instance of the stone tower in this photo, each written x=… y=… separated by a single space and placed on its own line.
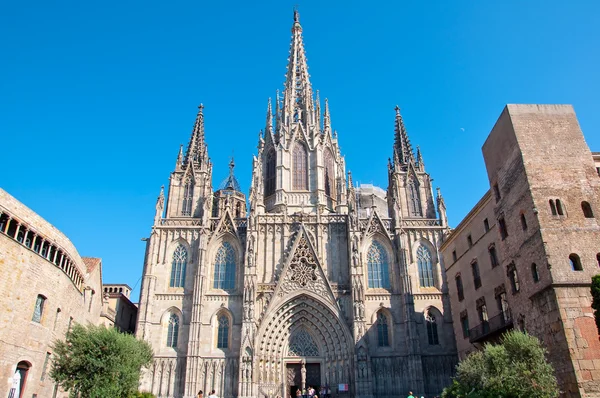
x=303 y=289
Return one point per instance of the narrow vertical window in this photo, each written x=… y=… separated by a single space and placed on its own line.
x=483 y=316
x=503 y=307
x=523 y=222
x=469 y=240
x=476 y=276
x=486 y=225
x=173 y=331
x=414 y=198
x=223 y=332
x=300 y=178
x=270 y=173
x=382 y=330
x=178 y=267
x=514 y=278
x=552 y=207
x=377 y=264
x=224 y=274
x=459 y=288
x=502 y=226
x=425 y=267
x=188 y=195
x=464 y=321
x=587 y=210
x=454 y=255
x=534 y=273
x=575 y=262
x=329 y=175
x=559 y=208
x=432 y=333
x=39 y=309
x=496 y=192
x=598 y=259
x=58 y=310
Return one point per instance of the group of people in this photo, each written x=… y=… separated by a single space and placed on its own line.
x=310 y=392
x=213 y=394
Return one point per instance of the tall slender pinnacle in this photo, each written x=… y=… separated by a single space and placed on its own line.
x=196 y=149
x=327 y=116
x=403 y=152
x=179 y=161
x=269 y=123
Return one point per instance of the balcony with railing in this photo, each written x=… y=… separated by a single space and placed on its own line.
x=492 y=327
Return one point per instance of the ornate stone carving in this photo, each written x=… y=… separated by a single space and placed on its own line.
x=303 y=345
x=303 y=272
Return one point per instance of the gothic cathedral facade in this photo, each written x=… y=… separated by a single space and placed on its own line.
x=306 y=287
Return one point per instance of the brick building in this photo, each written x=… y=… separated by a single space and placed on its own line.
x=525 y=254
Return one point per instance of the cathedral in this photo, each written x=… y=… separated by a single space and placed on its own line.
x=308 y=281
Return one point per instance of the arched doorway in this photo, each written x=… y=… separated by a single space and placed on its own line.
x=19 y=379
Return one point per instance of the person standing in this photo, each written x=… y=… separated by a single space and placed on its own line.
x=200 y=394
x=410 y=395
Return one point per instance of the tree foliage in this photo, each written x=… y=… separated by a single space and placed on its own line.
x=517 y=367
x=98 y=362
x=596 y=299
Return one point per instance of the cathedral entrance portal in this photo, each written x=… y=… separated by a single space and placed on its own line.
x=300 y=376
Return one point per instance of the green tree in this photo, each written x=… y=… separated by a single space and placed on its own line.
x=98 y=362
x=596 y=299
x=517 y=367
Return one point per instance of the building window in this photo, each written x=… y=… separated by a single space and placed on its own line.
x=502 y=226
x=23 y=370
x=486 y=225
x=559 y=208
x=188 y=197
x=414 y=198
x=598 y=259
x=464 y=321
x=552 y=207
x=382 y=330
x=587 y=210
x=223 y=332
x=575 y=262
x=425 y=267
x=432 y=334
x=496 y=191
x=173 y=331
x=523 y=222
x=270 y=173
x=224 y=277
x=39 y=309
x=300 y=177
x=470 y=240
x=514 y=278
x=178 y=267
x=459 y=288
x=503 y=305
x=476 y=276
x=534 y=273
x=493 y=256
x=454 y=255
x=483 y=315
x=58 y=310
x=377 y=263
x=329 y=175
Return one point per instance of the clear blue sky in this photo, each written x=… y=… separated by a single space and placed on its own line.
x=96 y=97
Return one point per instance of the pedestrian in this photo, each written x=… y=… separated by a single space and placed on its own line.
x=410 y=395
x=298 y=393
x=213 y=394
x=200 y=394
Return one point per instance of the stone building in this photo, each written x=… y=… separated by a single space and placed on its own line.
x=117 y=310
x=525 y=255
x=46 y=286
x=306 y=287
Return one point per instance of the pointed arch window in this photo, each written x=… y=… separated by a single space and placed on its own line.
x=270 y=173
x=303 y=345
x=383 y=338
x=378 y=268
x=300 y=172
x=224 y=277
x=414 y=198
x=178 y=267
x=188 y=196
x=223 y=331
x=173 y=331
x=425 y=267
x=432 y=332
x=329 y=175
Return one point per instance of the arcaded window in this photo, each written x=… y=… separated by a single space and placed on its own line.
x=300 y=171
x=414 y=198
x=178 y=267
x=534 y=273
x=188 y=197
x=587 y=210
x=223 y=331
x=432 y=333
x=270 y=178
x=425 y=267
x=575 y=262
x=377 y=263
x=329 y=175
x=383 y=339
x=173 y=331
x=459 y=288
x=38 y=311
x=224 y=277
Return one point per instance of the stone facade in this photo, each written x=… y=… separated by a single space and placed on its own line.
x=46 y=287
x=309 y=286
x=542 y=218
x=117 y=310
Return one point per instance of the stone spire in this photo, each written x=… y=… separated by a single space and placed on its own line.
x=179 y=161
x=420 y=162
x=403 y=153
x=196 y=151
